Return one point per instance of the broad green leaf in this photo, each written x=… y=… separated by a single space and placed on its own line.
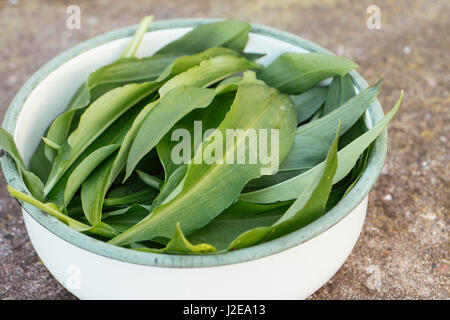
x=83 y=170
x=294 y=73
x=236 y=219
x=102 y=229
x=307 y=103
x=210 y=118
x=340 y=91
x=347 y=156
x=311 y=203
x=33 y=183
x=39 y=164
x=184 y=63
x=341 y=189
x=171 y=108
x=95 y=120
x=93 y=191
x=313 y=139
x=129 y=70
x=179 y=244
x=121 y=159
x=207 y=189
x=309 y=206
x=229 y=34
x=209 y=71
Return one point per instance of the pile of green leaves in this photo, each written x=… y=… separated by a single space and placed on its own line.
x=104 y=165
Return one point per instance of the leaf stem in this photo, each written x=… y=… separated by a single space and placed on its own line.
x=133 y=46
x=47 y=208
x=150 y=180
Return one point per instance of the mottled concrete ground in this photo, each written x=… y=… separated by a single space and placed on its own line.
x=403 y=251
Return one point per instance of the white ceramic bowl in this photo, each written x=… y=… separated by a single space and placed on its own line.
x=292 y=267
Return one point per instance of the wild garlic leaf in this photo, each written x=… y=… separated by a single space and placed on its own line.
x=102 y=229
x=229 y=34
x=309 y=206
x=340 y=91
x=33 y=183
x=307 y=103
x=171 y=108
x=294 y=73
x=210 y=118
x=133 y=46
x=313 y=139
x=207 y=189
x=39 y=164
x=171 y=182
x=95 y=120
x=209 y=71
x=184 y=63
x=347 y=156
x=236 y=219
x=341 y=189
x=93 y=191
x=84 y=169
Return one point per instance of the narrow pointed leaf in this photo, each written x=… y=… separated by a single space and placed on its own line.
x=294 y=73
x=83 y=170
x=229 y=34
x=209 y=71
x=33 y=183
x=340 y=91
x=307 y=103
x=171 y=108
x=131 y=49
x=93 y=191
x=313 y=139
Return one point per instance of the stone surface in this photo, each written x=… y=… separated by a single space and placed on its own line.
x=403 y=251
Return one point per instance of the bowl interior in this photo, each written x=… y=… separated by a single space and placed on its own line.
x=47 y=93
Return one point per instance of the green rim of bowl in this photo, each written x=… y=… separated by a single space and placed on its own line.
x=358 y=193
